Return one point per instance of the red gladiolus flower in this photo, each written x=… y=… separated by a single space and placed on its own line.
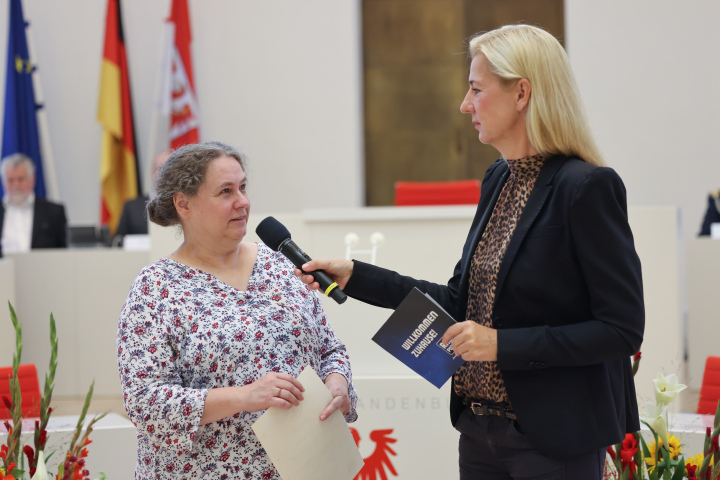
x=3 y=452
x=8 y=476
x=691 y=470
x=637 y=356
x=627 y=454
x=29 y=453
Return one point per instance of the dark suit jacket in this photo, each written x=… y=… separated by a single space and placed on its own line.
x=49 y=225
x=712 y=215
x=133 y=220
x=568 y=305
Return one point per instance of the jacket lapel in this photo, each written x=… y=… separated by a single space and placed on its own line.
x=536 y=200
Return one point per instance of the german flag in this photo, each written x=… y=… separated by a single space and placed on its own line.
x=119 y=172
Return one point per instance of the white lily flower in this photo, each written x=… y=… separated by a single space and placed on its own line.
x=667 y=388
x=654 y=417
x=41 y=472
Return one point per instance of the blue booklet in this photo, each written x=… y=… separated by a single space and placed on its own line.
x=413 y=335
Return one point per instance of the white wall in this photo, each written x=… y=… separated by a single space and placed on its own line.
x=648 y=71
x=281 y=79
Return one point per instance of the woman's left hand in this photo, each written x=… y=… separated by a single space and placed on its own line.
x=472 y=341
x=338 y=386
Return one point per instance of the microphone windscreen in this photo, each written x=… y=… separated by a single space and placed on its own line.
x=272 y=232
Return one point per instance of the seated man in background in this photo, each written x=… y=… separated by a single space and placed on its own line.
x=26 y=221
x=133 y=220
x=712 y=214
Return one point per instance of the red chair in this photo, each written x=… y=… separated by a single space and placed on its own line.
x=710 y=389
x=29 y=390
x=460 y=192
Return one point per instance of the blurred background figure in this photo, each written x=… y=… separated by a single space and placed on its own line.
x=133 y=220
x=712 y=214
x=27 y=222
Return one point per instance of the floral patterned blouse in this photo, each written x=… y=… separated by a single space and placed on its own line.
x=182 y=332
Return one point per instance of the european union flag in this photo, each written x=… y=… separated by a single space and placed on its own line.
x=20 y=128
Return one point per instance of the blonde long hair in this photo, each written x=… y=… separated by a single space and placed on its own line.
x=556 y=122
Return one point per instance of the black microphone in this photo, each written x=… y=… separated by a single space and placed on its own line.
x=276 y=236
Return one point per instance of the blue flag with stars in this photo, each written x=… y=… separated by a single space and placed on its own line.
x=20 y=126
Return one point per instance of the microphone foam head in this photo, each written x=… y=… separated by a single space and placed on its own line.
x=272 y=232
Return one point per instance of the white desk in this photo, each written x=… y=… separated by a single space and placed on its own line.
x=689 y=428
x=7 y=294
x=112 y=451
x=703 y=305
x=418 y=415
x=85 y=290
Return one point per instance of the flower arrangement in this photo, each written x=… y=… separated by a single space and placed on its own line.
x=12 y=463
x=662 y=458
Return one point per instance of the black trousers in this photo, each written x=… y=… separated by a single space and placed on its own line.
x=494 y=448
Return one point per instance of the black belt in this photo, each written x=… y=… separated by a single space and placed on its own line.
x=480 y=409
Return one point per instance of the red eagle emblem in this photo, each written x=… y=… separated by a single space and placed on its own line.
x=375 y=464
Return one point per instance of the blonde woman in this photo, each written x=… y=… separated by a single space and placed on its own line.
x=548 y=289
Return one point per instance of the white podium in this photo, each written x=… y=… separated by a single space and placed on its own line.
x=112 y=451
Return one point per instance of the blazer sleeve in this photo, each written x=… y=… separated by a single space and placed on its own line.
x=385 y=288
x=604 y=249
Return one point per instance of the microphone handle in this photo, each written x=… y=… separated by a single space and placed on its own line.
x=298 y=258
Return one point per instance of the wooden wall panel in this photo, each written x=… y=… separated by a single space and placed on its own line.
x=415 y=74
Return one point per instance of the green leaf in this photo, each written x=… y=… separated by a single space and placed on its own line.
x=679 y=470
x=625 y=474
x=715 y=472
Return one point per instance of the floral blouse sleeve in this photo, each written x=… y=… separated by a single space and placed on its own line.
x=334 y=357
x=164 y=412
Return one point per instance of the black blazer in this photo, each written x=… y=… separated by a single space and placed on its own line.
x=49 y=225
x=712 y=215
x=568 y=305
x=133 y=220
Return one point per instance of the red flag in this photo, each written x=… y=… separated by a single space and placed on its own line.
x=184 y=115
x=119 y=171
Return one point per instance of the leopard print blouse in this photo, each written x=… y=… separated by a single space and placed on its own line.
x=483 y=380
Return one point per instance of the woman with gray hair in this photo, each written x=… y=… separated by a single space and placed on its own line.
x=548 y=289
x=217 y=332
